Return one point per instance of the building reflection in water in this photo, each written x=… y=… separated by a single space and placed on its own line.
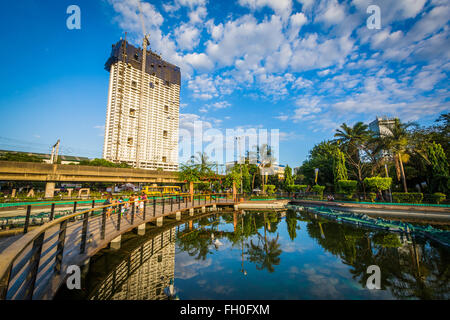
x=147 y=273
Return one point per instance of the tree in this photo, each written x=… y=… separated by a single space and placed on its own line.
x=439 y=168
x=378 y=183
x=351 y=141
x=20 y=157
x=321 y=157
x=288 y=178
x=397 y=143
x=339 y=169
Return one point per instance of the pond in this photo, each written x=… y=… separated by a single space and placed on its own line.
x=265 y=255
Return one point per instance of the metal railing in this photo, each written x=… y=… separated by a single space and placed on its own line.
x=29 y=264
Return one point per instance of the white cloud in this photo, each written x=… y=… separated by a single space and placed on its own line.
x=187 y=37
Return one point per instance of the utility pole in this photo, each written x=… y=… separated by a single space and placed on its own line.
x=55 y=150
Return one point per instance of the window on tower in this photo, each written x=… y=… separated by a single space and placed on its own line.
x=165 y=134
x=130 y=141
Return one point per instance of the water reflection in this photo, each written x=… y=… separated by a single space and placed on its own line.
x=270 y=255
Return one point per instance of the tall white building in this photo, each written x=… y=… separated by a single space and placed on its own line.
x=148 y=137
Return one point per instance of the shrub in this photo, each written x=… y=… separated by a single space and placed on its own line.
x=318 y=189
x=269 y=188
x=438 y=197
x=296 y=188
x=372 y=196
x=347 y=186
x=413 y=197
x=378 y=183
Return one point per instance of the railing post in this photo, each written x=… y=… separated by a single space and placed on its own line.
x=93 y=204
x=171 y=204
x=84 y=232
x=179 y=202
x=52 y=212
x=145 y=206
x=132 y=212
x=102 y=230
x=119 y=217
x=186 y=198
x=30 y=280
x=27 y=219
x=75 y=207
x=60 y=249
x=154 y=206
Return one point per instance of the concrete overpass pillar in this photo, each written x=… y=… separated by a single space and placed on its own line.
x=214 y=208
x=159 y=221
x=203 y=209
x=141 y=229
x=178 y=215
x=49 y=190
x=191 y=212
x=115 y=243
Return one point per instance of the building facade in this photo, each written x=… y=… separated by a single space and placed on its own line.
x=146 y=138
x=382 y=126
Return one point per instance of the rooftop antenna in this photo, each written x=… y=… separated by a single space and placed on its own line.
x=146 y=42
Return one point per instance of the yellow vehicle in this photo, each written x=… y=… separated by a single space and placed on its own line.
x=159 y=191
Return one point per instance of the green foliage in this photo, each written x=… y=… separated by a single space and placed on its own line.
x=269 y=189
x=339 y=169
x=438 y=197
x=20 y=157
x=321 y=157
x=202 y=186
x=347 y=186
x=296 y=188
x=233 y=176
x=189 y=172
x=288 y=178
x=103 y=163
x=439 y=167
x=402 y=197
x=318 y=189
x=372 y=196
x=389 y=240
x=378 y=183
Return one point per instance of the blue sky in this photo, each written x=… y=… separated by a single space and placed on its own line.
x=300 y=66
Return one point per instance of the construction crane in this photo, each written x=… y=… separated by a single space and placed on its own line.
x=145 y=43
x=121 y=100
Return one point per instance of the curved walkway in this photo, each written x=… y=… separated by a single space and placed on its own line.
x=34 y=266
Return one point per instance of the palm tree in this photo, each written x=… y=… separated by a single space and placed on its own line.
x=397 y=143
x=351 y=141
x=203 y=164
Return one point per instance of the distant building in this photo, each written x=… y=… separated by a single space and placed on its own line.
x=46 y=157
x=382 y=126
x=275 y=169
x=146 y=138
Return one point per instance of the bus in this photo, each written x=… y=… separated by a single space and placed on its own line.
x=159 y=191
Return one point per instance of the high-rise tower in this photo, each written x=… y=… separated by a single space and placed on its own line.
x=147 y=136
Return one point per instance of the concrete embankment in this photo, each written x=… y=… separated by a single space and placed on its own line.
x=265 y=204
x=404 y=212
